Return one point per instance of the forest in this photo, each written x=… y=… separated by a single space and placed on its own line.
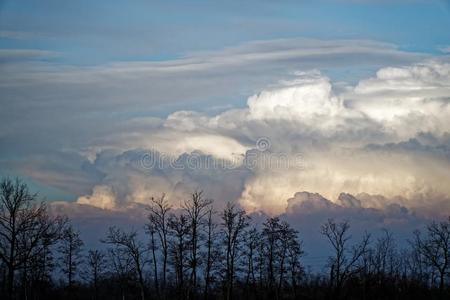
x=196 y=252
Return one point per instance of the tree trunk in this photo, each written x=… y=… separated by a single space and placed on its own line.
x=10 y=281
x=441 y=284
x=155 y=266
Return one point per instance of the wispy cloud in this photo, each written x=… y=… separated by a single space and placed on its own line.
x=445 y=49
x=11 y=55
x=20 y=35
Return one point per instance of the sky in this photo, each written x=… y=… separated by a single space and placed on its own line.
x=308 y=109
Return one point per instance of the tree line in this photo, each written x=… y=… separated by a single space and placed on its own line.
x=196 y=252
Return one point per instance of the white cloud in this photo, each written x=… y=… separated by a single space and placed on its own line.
x=344 y=144
x=102 y=197
x=307 y=96
x=445 y=50
x=305 y=113
x=408 y=99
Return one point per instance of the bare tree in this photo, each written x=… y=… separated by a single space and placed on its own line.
x=179 y=230
x=234 y=222
x=191 y=249
x=344 y=262
x=270 y=233
x=121 y=266
x=196 y=209
x=131 y=246
x=416 y=268
x=70 y=248
x=211 y=251
x=37 y=270
x=96 y=264
x=36 y=244
x=435 y=248
x=158 y=217
x=281 y=250
x=251 y=243
x=294 y=253
x=385 y=261
x=261 y=261
x=288 y=254
x=151 y=230
x=25 y=228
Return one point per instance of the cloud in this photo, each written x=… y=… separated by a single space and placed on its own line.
x=93 y=222
x=445 y=50
x=20 y=35
x=48 y=101
x=372 y=137
x=416 y=95
x=343 y=146
x=11 y=55
x=308 y=211
x=66 y=170
x=305 y=202
x=134 y=177
x=210 y=73
x=102 y=197
x=309 y=95
x=347 y=206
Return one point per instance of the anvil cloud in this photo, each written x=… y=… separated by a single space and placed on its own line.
x=386 y=135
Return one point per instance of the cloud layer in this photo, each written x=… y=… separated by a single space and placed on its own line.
x=385 y=136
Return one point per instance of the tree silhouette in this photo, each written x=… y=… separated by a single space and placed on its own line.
x=96 y=264
x=435 y=248
x=212 y=253
x=132 y=247
x=345 y=261
x=194 y=252
x=159 y=218
x=26 y=230
x=196 y=209
x=179 y=231
x=234 y=222
x=70 y=248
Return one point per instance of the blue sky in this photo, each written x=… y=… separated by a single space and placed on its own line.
x=86 y=32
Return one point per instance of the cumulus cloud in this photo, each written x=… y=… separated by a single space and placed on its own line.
x=417 y=95
x=318 y=140
x=308 y=211
x=386 y=135
x=347 y=206
x=102 y=197
x=135 y=176
x=307 y=96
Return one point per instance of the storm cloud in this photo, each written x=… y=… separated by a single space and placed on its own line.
x=386 y=135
